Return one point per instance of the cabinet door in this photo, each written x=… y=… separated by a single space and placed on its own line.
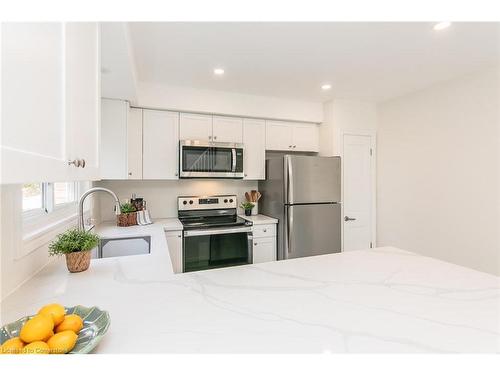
x=174 y=243
x=254 y=140
x=305 y=137
x=114 y=139
x=160 y=145
x=264 y=249
x=134 y=144
x=195 y=127
x=82 y=84
x=34 y=138
x=278 y=136
x=227 y=129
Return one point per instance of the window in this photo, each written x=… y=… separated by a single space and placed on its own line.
x=46 y=197
x=47 y=209
x=32 y=197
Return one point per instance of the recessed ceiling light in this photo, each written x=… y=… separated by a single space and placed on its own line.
x=326 y=86
x=442 y=25
x=218 y=71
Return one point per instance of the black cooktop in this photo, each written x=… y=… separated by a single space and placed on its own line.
x=212 y=221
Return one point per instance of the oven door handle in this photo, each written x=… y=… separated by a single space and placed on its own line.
x=233 y=151
x=193 y=233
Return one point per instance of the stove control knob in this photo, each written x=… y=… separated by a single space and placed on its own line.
x=230 y=201
x=184 y=202
x=225 y=200
x=191 y=202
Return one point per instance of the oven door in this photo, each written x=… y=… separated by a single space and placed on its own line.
x=210 y=160
x=205 y=249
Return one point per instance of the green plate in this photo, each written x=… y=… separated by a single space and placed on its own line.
x=95 y=325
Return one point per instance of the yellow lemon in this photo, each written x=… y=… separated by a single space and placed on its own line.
x=71 y=322
x=55 y=310
x=36 y=347
x=38 y=328
x=62 y=342
x=12 y=346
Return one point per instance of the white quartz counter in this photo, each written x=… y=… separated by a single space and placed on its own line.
x=380 y=300
x=260 y=219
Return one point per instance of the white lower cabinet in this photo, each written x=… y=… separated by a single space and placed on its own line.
x=174 y=243
x=264 y=243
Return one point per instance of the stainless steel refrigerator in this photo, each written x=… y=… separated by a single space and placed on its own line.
x=303 y=193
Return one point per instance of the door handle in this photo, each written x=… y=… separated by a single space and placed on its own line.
x=347 y=218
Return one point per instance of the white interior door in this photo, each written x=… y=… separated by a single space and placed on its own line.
x=358 y=191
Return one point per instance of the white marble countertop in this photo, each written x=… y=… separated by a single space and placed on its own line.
x=379 y=300
x=260 y=219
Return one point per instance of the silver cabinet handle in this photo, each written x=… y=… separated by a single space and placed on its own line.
x=209 y=137
x=215 y=137
x=130 y=173
x=176 y=174
x=180 y=236
x=77 y=163
x=294 y=146
x=347 y=218
x=264 y=230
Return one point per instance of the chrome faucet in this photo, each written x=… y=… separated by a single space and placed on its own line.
x=81 y=223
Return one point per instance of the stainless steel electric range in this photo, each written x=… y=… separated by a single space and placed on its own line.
x=214 y=235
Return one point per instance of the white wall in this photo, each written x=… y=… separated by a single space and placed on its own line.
x=198 y=100
x=16 y=268
x=161 y=196
x=341 y=115
x=438 y=172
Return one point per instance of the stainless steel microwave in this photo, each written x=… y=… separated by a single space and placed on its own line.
x=199 y=159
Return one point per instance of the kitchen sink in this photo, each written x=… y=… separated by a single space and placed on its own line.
x=122 y=246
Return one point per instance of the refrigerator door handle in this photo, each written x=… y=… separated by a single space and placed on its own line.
x=289 y=180
x=289 y=228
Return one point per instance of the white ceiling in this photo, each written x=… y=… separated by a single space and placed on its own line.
x=369 y=61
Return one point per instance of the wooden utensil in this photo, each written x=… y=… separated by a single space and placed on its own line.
x=247 y=196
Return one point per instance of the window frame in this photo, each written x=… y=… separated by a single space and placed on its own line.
x=41 y=225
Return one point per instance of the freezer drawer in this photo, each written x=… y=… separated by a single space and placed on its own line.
x=311 y=179
x=311 y=229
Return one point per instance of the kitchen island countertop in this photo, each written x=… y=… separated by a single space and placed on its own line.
x=377 y=300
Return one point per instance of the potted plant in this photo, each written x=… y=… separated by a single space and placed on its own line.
x=247 y=206
x=128 y=215
x=76 y=245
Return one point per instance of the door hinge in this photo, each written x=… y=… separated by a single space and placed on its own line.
x=371 y=245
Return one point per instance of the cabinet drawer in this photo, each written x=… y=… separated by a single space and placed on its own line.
x=268 y=230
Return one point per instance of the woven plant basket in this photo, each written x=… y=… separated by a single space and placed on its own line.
x=79 y=261
x=126 y=220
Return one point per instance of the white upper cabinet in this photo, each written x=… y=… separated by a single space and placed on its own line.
x=114 y=153
x=161 y=143
x=83 y=96
x=134 y=144
x=50 y=101
x=291 y=136
x=278 y=136
x=305 y=137
x=227 y=129
x=195 y=127
x=254 y=140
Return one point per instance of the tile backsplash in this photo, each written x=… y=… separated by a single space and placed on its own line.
x=161 y=196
